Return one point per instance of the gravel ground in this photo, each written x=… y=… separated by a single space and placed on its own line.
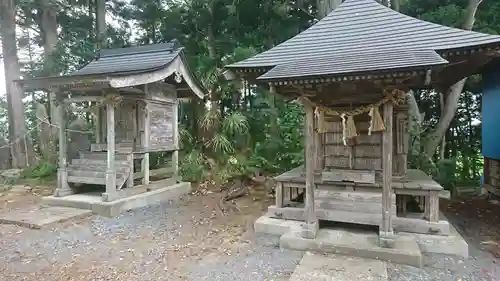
x=260 y=260
x=186 y=239
x=479 y=267
x=190 y=239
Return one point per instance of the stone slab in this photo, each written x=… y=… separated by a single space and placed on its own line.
x=42 y=217
x=110 y=209
x=319 y=267
x=277 y=227
x=453 y=244
x=357 y=244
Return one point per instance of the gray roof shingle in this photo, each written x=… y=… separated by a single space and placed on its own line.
x=130 y=59
x=393 y=59
x=361 y=29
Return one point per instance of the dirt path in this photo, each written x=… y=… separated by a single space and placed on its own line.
x=192 y=239
x=179 y=240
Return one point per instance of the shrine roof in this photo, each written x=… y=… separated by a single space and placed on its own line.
x=354 y=34
x=130 y=59
x=351 y=63
x=127 y=67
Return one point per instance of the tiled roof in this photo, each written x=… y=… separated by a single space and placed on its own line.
x=358 y=30
x=131 y=59
x=355 y=63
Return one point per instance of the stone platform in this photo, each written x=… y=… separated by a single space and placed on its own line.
x=319 y=267
x=408 y=248
x=93 y=201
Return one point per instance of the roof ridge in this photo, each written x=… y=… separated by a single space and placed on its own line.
x=139 y=49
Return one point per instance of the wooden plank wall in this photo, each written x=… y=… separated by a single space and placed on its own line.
x=125 y=118
x=492 y=176
x=367 y=151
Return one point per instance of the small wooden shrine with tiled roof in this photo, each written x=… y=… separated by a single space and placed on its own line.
x=352 y=72
x=134 y=95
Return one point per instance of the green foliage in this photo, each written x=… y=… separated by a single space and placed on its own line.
x=446 y=173
x=238 y=132
x=192 y=167
x=42 y=170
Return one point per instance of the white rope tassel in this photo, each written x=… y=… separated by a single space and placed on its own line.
x=344 y=128
x=320 y=120
x=371 y=120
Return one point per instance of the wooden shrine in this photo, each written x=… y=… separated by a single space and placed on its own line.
x=133 y=94
x=353 y=72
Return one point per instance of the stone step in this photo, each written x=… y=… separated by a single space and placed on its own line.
x=97 y=168
x=41 y=217
x=92 y=180
x=320 y=267
x=97 y=162
x=83 y=173
x=92 y=177
x=100 y=155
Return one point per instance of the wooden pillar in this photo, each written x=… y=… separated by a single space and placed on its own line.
x=175 y=127
x=145 y=141
x=386 y=234
x=310 y=228
x=63 y=188
x=279 y=195
x=110 y=170
x=318 y=146
x=98 y=124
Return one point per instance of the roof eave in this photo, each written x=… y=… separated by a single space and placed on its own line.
x=350 y=76
x=62 y=82
x=201 y=91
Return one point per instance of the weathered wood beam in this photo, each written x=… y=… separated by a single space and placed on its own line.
x=310 y=228
x=175 y=132
x=98 y=125
x=386 y=234
x=84 y=98
x=63 y=188
x=145 y=141
x=110 y=170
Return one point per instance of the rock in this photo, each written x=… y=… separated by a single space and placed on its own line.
x=10 y=176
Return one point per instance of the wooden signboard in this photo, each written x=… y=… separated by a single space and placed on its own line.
x=161 y=126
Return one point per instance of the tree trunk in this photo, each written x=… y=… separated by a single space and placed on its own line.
x=453 y=93
x=101 y=24
x=395 y=5
x=324 y=7
x=21 y=149
x=47 y=21
x=442 y=149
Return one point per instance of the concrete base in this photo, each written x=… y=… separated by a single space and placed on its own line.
x=310 y=230
x=318 y=267
x=355 y=244
x=94 y=202
x=42 y=217
x=452 y=244
x=407 y=246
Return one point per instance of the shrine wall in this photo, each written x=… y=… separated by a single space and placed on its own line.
x=364 y=152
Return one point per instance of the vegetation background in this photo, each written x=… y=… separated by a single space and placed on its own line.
x=238 y=129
